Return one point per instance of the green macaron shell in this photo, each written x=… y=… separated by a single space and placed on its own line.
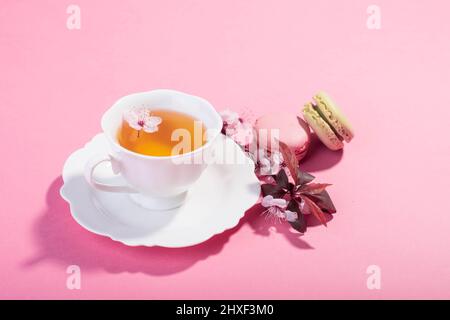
x=322 y=129
x=333 y=116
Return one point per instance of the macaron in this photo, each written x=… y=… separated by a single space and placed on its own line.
x=289 y=128
x=328 y=122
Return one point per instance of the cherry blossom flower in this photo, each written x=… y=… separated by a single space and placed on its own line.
x=242 y=134
x=236 y=128
x=270 y=201
x=141 y=119
x=269 y=163
x=230 y=118
x=275 y=206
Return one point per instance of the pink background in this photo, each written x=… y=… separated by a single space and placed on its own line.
x=390 y=185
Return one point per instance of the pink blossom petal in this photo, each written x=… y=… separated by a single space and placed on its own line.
x=290 y=215
x=131 y=117
x=139 y=118
x=135 y=126
x=269 y=164
x=269 y=201
x=151 y=124
x=242 y=134
x=136 y=116
x=229 y=116
x=266 y=201
x=230 y=131
x=280 y=203
x=150 y=129
x=153 y=121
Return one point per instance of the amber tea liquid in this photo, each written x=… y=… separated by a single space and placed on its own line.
x=161 y=142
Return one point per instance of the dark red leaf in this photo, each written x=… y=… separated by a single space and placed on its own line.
x=303 y=124
x=282 y=179
x=314 y=188
x=300 y=223
x=293 y=206
x=304 y=177
x=315 y=210
x=273 y=190
x=290 y=160
x=323 y=201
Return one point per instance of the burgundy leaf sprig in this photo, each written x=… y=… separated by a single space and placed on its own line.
x=297 y=190
x=289 y=194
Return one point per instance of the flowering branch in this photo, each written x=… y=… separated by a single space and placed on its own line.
x=288 y=193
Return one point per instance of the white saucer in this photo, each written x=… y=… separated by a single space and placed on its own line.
x=216 y=202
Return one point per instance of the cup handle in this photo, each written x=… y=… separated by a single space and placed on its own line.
x=89 y=170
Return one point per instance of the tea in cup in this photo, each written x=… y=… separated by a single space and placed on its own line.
x=157 y=132
x=144 y=132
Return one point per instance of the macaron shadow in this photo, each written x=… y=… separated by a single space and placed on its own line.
x=319 y=157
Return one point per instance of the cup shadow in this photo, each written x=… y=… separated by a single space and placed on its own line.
x=62 y=241
x=320 y=157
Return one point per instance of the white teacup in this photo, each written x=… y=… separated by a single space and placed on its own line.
x=157 y=183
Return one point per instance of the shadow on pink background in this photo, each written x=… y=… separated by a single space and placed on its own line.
x=61 y=241
x=390 y=185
